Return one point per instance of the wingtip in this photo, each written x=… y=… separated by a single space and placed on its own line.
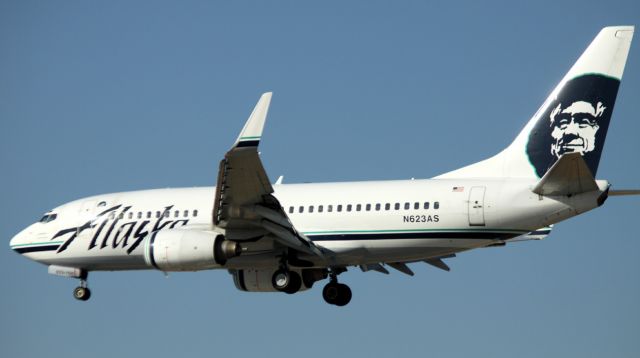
x=252 y=131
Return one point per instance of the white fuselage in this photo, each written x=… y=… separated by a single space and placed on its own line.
x=360 y=222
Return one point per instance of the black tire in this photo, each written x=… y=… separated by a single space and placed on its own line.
x=281 y=279
x=330 y=293
x=344 y=295
x=82 y=293
x=295 y=282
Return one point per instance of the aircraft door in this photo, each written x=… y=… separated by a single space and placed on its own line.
x=476 y=206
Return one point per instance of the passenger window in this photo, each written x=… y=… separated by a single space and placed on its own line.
x=416 y=206
x=339 y=208
x=358 y=207
x=157 y=214
x=186 y=213
x=320 y=208
x=112 y=215
x=121 y=216
x=329 y=208
x=368 y=207
x=301 y=209
x=166 y=213
x=291 y=210
x=195 y=213
x=148 y=214
x=426 y=205
x=130 y=215
x=348 y=207
x=176 y=213
x=378 y=207
x=310 y=208
x=139 y=214
x=407 y=206
x=397 y=206
x=436 y=205
x=387 y=206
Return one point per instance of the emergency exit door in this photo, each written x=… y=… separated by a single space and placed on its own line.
x=476 y=206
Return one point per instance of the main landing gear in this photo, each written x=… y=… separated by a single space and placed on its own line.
x=286 y=281
x=82 y=292
x=335 y=293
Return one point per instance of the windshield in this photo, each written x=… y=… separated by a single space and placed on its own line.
x=48 y=217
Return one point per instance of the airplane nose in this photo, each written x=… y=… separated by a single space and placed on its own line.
x=19 y=240
x=14 y=241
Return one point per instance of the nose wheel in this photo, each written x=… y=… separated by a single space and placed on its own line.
x=82 y=292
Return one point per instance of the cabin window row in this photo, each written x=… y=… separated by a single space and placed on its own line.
x=365 y=207
x=157 y=214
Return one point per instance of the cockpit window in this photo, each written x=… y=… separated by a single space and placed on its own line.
x=48 y=217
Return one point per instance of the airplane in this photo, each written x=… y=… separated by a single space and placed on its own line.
x=285 y=237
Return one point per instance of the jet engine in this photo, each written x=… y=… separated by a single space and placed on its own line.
x=186 y=250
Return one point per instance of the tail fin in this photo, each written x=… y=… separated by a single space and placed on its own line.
x=574 y=118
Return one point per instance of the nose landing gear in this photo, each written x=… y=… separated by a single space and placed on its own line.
x=82 y=292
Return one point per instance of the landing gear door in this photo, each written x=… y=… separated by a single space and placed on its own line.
x=476 y=206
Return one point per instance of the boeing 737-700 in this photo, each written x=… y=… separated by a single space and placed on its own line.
x=285 y=237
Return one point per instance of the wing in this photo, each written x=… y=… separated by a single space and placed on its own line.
x=244 y=205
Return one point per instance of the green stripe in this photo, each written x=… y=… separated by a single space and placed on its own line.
x=39 y=243
x=413 y=230
x=254 y=137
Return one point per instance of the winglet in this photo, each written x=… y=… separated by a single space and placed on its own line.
x=252 y=131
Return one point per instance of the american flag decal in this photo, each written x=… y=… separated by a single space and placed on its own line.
x=458 y=189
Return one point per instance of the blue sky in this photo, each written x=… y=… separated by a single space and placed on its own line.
x=120 y=95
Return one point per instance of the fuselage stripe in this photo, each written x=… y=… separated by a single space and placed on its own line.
x=416 y=235
x=24 y=250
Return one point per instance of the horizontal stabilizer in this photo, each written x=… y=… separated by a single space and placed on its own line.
x=568 y=176
x=534 y=235
x=623 y=192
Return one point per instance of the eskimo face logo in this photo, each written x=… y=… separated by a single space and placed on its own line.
x=575 y=127
x=576 y=121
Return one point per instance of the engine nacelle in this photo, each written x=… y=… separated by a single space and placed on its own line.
x=187 y=250
x=260 y=280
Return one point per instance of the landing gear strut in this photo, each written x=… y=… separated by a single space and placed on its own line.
x=335 y=293
x=82 y=292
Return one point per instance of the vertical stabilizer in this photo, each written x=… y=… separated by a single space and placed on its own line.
x=574 y=118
